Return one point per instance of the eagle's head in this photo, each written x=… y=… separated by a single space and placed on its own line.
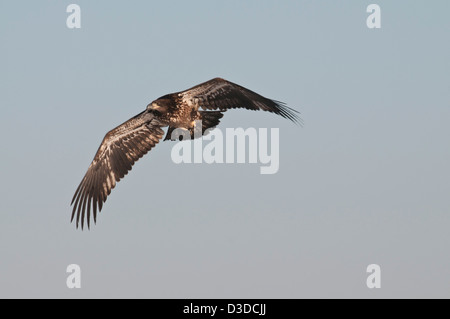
x=162 y=104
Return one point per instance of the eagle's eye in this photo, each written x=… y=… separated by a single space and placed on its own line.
x=156 y=112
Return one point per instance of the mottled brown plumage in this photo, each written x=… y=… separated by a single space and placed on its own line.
x=124 y=145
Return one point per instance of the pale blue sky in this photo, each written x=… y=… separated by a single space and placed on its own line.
x=366 y=180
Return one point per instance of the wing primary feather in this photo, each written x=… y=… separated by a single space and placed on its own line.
x=85 y=195
x=80 y=192
x=88 y=215
x=95 y=198
x=80 y=204
x=76 y=192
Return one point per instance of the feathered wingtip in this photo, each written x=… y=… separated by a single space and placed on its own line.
x=79 y=208
x=288 y=113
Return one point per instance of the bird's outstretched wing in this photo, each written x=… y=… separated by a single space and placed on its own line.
x=220 y=94
x=120 y=149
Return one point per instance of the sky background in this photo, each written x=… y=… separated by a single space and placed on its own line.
x=366 y=180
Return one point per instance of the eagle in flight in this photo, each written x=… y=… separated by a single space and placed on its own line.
x=124 y=145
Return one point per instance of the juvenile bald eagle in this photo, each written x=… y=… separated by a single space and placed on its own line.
x=124 y=145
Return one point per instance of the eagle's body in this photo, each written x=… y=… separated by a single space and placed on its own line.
x=125 y=144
